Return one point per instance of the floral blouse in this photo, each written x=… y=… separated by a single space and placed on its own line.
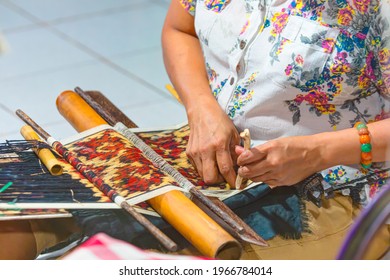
x=298 y=67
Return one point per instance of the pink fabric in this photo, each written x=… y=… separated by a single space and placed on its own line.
x=104 y=247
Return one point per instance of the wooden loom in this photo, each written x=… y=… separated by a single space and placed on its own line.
x=211 y=240
x=72 y=158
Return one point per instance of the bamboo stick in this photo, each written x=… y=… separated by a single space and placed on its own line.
x=188 y=219
x=45 y=155
x=84 y=119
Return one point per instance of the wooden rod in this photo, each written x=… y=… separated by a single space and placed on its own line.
x=45 y=155
x=196 y=226
x=71 y=157
x=105 y=108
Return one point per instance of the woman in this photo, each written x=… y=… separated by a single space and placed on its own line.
x=299 y=75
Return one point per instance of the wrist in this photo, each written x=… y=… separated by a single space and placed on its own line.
x=317 y=147
x=338 y=148
x=201 y=104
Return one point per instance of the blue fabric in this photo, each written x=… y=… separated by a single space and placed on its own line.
x=270 y=212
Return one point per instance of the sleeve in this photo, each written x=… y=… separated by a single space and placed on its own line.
x=189 y=6
x=378 y=60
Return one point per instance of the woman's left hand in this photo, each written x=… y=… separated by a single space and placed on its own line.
x=280 y=162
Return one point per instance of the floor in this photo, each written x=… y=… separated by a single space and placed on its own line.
x=105 y=45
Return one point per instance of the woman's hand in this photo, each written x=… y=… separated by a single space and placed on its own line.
x=211 y=145
x=213 y=135
x=280 y=162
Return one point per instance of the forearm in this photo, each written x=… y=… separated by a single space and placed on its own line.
x=184 y=61
x=185 y=68
x=343 y=147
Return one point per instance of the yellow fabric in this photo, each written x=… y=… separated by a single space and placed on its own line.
x=329 y=226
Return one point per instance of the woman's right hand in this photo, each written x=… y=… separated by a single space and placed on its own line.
x=213 y=137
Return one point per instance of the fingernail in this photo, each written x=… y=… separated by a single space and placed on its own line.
x=245 y=154
x=238 y=148
x=244 y=169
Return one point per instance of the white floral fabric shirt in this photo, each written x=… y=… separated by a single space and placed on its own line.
x=297 y=67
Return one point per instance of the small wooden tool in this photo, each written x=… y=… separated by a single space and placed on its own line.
x=246 y=136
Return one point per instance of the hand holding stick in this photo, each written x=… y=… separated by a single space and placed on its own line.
x=70 y=157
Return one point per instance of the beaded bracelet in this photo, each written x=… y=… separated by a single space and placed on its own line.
x=365 y=148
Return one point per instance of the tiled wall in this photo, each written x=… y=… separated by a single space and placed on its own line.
x=108 y=45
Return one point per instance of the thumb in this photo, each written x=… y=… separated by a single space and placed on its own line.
x=239 y=150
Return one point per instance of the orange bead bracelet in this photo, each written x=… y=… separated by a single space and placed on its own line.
x=365 y=145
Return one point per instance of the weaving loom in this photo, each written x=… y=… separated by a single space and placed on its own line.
x=112 y=156
x=98 y=150
x=103 y=149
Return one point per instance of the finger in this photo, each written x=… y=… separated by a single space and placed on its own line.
x=193 y=164
x=268 y=179
x=210 y=169
x=195 y=160
x=233 y=154
x=272 y=184
x=239 y=150
x=226 y=166
x=253 y=170
x=197 y=163
x=234 y=157
x=250 y=156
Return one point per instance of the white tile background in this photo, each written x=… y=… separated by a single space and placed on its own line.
x=105 y=45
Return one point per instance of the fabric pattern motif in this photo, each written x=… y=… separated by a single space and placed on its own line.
x=189 y=5
x=241 y=96
x=216 y=5
x=119 y=164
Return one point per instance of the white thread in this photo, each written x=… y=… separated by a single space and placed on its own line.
x=51 y=141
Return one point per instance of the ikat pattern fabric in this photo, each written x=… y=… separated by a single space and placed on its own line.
x=110 y=156
x=296 y=67
x=120 y=165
